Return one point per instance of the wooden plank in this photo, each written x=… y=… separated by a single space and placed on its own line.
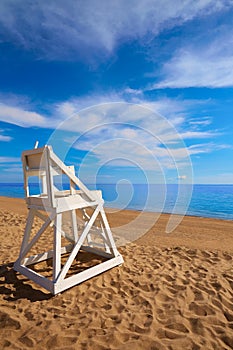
x=57 y=246
x=74 y=224
x=39 y=201
x=35 y=277
x=69 y=173
x=107 y=243
x=27 y=231
x=33 y=151
x=97 y=251
x=96 y=244
x=73 y=202
x=35 y=238
x=44 y=182
x=49 y=177
x=89 y=273
x=26 y=188
x=78 y=244
x=35 y=172
x=42 y=207
x=41 y=216
x=108 y=232
x=45 y=255
x=34 y=160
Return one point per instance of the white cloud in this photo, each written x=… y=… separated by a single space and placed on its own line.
x=20 y=116
x=66 y=108
x=135 y=92
x=123 y=131
x=204 y=121
x=9 y=159
x=198 y=134
x=17 y=110
x=123 y=116
x=5 y=138
x=165 y=118
x=205 y=64
x=138 y=134
x=182 y=177
x=14 y=170
x=206 y=148
x=107 y=110
x=60 y=30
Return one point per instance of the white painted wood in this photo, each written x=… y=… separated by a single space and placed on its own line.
x=41 y=216
x=57 y=246
x=74 y=224
x=69 y=173
x=108 y=232
x=35 y=239
x=46 y=255
x=78 y=245
x=73 y=202
x=34 y=276
x=49 y=178
x=42 y=162
x=27 y=231
x=107 y=243
x=87 y=274
x=97 y=251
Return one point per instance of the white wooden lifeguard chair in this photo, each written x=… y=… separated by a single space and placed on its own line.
x=51 y=205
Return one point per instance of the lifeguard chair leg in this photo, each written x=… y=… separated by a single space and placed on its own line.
x=57 y=246
x=27 y=230
x=109 y=233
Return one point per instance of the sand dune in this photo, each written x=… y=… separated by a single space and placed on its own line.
x=173 y=291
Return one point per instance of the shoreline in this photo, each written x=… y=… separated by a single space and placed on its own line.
x=209 y=201
x=5 y=199
x=168 y=213
x=148 y=228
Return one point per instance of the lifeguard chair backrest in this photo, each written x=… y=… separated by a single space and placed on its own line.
x=43 y=163
x=36 y=162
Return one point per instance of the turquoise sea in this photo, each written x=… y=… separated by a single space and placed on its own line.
x=214 y=201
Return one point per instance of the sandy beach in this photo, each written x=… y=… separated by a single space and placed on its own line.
x=174 y=290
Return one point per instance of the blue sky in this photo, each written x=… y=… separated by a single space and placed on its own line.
x=134 y=90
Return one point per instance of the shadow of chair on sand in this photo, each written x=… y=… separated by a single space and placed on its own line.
x=13 y=288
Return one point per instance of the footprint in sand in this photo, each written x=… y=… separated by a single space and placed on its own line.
x=26 y=341
x=7 y=322
x=201 y=309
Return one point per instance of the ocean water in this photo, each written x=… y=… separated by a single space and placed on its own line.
x=214 y=201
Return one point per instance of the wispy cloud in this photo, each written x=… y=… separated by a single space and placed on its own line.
x=123 y=133
x=159 y=115
x=14 y=169
x=134 y=92
x=198 y=134
x=136 y=136
x=182 y=177
x=206 y=148
x=4 y=138
x=204 y=121
x=61 y=30
x=142 y=150
x=21 y=112
x=9 y=159
x=205 y=64
x=20 y=116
